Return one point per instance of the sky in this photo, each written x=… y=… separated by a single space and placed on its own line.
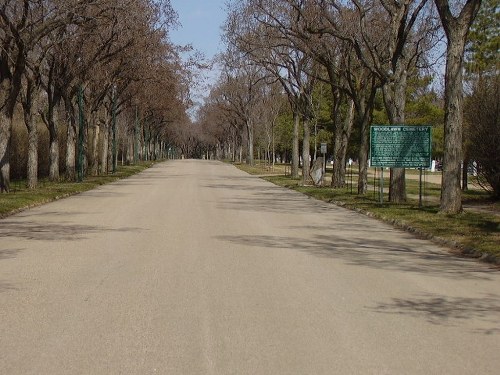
x=200 y=25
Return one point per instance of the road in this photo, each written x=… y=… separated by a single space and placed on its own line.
x=194 y=267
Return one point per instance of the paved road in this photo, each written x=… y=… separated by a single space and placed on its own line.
x=194 y=267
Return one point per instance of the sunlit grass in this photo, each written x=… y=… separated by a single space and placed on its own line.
x=263 y=168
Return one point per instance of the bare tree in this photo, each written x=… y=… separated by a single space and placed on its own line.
x=30 y=98
x=244 y=90
x=392 y=39
x=22 y=25
x=328 y=33
x=259 y=30
x=456 y=29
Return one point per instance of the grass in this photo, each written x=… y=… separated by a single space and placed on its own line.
x=475 y=233
x=21 y=198
x=261 y=168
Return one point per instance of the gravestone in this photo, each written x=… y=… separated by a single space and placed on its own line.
x=317 y=171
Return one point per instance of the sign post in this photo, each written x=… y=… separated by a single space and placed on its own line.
x=400 y=146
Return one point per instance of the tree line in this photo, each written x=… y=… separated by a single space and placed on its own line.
x=101 y=77
x=84 y=83
x=341 y=66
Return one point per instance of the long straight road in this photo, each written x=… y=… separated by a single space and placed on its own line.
x=194 y=267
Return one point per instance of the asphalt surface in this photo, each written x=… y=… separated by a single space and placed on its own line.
x=194 y=267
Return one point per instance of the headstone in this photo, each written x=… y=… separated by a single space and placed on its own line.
x=317 y=171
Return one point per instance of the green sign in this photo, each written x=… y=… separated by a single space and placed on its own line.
x=400 y=146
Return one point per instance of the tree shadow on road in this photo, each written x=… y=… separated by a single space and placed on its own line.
x=449 y=311
x=262 y=198
x=8 y=253
x=359 y=250
x=412 y=255
x=32 y=230
x=5 y=286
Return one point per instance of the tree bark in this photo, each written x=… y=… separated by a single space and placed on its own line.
x=10 y=86
x=106 y=144
x=456 y=29
x=53 y=149
x=32 y=167
x=70 y=140
x=5 y=133
x=28 y=111
x=306 y=152
x=338 y=175
x=250 y=154
x=295 y=145
x=93 y=145
x=364 y=149
x=451 y=194
x=395 y=101
x=364 y=113
x=342 y=136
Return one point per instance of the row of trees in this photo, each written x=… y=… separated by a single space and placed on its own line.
x=482 y=107
x=361 y=53
x=90 y=69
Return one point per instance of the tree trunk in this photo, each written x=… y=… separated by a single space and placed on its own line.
x=395 y=100
x=70 y=140
x=32 y=167
x=338 y=175
x=306 y=152
x=53 y=150
x=364 y=114
x=52 y=125
x=105 y=147
x=109 y=149
x=32 y=177
x=451 y=194
x=295 y=145
x=342 y=137
x=233 y=149
x=250 y=155
x=10 y=86
x=29 y=106
x=364 y=149
x=5 y=133
x=456 y=30
x=94 y=149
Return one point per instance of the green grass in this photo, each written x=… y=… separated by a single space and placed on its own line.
x=479 y=232
x=261 y=168
x=21 y=198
